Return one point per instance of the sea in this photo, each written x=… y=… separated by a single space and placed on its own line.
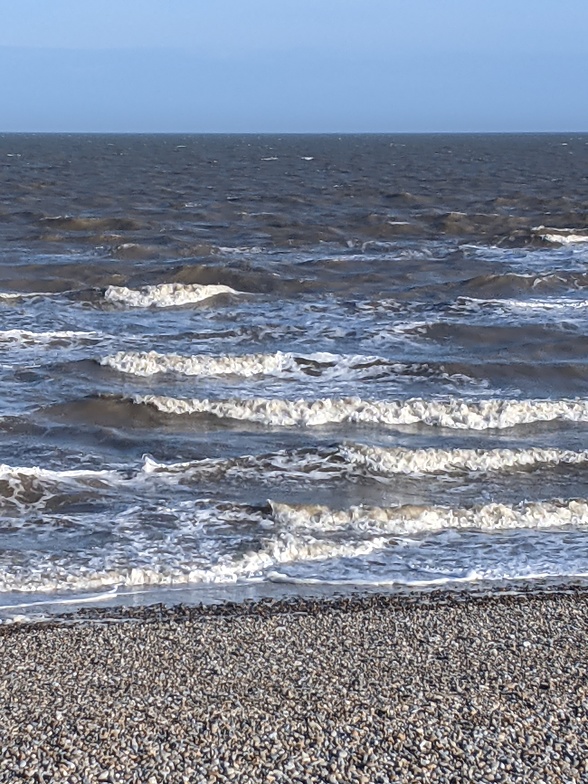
x=256 y=365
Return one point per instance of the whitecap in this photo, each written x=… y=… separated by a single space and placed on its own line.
x=385 y=462
x=561 y=236
x=453 y=413
x=28 y=338
x=282 y=364
x=165 y=295
x=354 y=460
x=414 y=519
x=25 y=488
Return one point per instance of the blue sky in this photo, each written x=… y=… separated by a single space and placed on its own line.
x=293 y=65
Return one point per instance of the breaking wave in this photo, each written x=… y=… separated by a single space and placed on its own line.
x=142 y=562
x=165 y=295
x=384 y=461
x=358 y=460
x=414 y=519
x=561 y=236
x=287 y=534
x=9 y=296
x=23 y=489
x=25 y=337
x=452 y=413
x=286 y=364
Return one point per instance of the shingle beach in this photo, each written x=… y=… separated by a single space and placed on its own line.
x=365 y=689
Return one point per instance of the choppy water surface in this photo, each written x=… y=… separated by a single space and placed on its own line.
x=296 y=361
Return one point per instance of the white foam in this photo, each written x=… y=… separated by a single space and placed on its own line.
x=240 y=250
x=414 y=519
x=536 y=304
x=565 y=239
x=285 y=364
x=61 y=600
x=298 y=466
x=10 y=295
x=482 y=577
x=433 y=461
x=46 y=473
x=280 y=534
x=452 y=413
x=355 y=460
x=150 y=363
x=27 y=337
x=26 y=488
x=165 y=295
x=561 y=236
x=180 y=567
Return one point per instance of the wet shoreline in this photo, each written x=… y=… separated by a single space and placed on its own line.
x=268 y=600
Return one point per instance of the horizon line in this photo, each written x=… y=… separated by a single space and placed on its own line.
x=295 y=133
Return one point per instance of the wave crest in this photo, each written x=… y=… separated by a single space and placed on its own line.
x=355 y=461
x=25 y=488
x=165 y=295
x=414 y=519
x=287 y=364
x=453 y=413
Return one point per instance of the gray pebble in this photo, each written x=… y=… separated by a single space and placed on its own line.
x=362 y=690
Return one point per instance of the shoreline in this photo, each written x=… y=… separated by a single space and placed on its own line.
x=175 y=604
x=358 y=689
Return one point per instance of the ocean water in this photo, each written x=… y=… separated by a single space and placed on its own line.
x=237 y=364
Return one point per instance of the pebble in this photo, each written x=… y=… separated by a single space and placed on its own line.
x=362 y=689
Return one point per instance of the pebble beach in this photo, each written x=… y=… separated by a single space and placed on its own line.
x=360 y=689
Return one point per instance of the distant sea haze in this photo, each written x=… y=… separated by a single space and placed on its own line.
x=244 y=365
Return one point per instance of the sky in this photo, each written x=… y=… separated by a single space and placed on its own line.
x=298 y=66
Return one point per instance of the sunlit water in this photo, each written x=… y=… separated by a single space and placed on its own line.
x=291 y=362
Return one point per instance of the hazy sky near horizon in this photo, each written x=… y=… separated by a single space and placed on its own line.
x=293 y=65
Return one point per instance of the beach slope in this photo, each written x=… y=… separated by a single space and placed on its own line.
x=371 y=689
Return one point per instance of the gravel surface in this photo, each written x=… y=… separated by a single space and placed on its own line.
x=371 y=689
